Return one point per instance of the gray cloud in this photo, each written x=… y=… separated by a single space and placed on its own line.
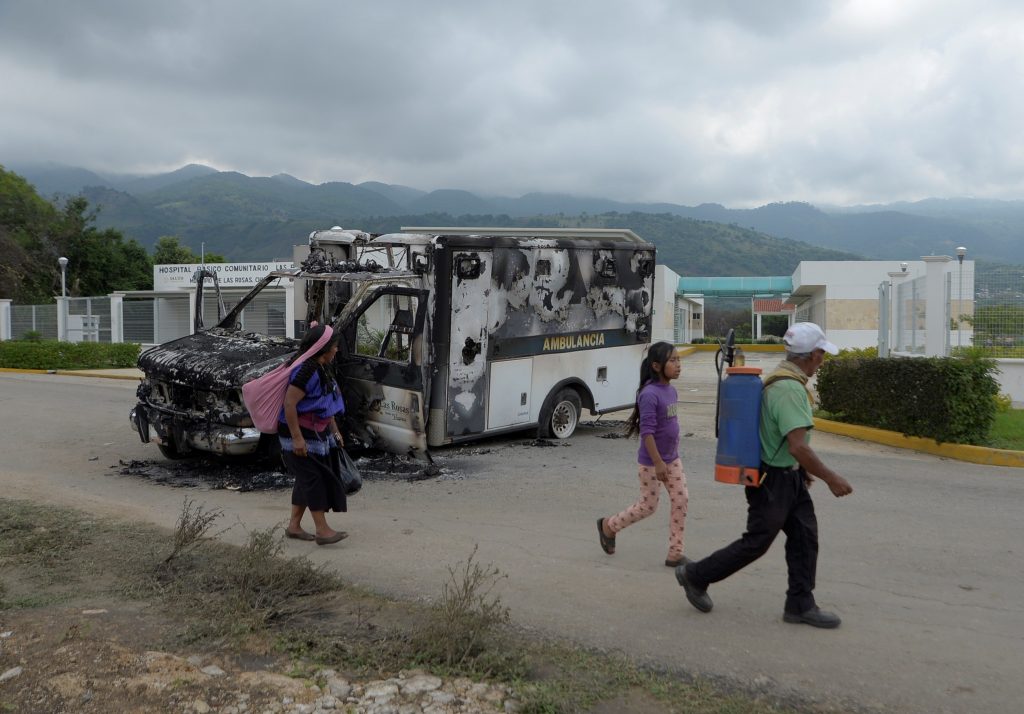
x=739 y=103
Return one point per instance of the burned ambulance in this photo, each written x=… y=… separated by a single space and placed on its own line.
x=448 y=335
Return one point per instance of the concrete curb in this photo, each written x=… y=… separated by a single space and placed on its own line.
x=86 y=373
x=960 y=452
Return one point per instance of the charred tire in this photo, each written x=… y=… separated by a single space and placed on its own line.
x=169 y=450
x=560 y=415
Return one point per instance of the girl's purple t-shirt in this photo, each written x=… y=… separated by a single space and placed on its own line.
x=657 y=403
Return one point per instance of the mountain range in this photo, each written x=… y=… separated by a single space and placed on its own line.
x=246 y=218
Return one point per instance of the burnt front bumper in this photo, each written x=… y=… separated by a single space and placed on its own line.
x=184 y=433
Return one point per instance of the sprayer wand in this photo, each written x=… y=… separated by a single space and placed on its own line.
x=725 y=355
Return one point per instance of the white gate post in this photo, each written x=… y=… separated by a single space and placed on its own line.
x=935 y=324
x=116 y=317
x=62 y=319
x=5 y=319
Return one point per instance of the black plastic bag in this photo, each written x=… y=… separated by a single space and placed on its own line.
x=351 y=479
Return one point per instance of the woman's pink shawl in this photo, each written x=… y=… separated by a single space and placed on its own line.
x=264 y=396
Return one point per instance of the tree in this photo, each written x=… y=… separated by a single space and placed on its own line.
x=168 y=249
x=34 y=233
x=100 y=262
x=28 y=256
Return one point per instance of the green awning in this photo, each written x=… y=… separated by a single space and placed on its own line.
x=736 y=286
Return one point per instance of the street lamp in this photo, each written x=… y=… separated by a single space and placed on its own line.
x=63 y=262
x=960 y=253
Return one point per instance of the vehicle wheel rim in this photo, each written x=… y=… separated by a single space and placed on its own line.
x=563 y=420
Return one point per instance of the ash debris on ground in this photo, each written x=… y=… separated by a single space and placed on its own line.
x=208 y=473
x=266 y=475
x=390 y=467
x=612 y=428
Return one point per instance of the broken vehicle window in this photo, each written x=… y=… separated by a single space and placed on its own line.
x=385 y=329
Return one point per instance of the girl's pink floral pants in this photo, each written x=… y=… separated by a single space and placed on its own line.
x=650 y=490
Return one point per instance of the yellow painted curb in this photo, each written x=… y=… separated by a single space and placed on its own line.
x=18 y=370
x=685 y=351
x=960 y=452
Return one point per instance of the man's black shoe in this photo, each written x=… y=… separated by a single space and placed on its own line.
x=813 y=617
x=698 y=597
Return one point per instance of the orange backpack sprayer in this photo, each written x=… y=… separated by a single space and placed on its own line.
x=737 y=418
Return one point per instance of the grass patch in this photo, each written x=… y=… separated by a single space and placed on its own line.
x=237 y=597
x=1008 y=430
x=457 y=633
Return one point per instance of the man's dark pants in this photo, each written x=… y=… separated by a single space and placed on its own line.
x=781 y=503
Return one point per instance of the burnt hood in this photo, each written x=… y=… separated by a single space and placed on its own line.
x=215 y=359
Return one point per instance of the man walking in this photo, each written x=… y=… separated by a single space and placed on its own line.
x=782 y=502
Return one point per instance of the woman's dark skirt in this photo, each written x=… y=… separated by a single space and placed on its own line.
x=318 y=484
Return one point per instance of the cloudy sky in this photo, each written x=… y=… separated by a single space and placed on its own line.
x=733 y=101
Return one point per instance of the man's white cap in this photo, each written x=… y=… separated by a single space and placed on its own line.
x=805 y=337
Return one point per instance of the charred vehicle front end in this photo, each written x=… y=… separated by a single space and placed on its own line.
x=190 y=399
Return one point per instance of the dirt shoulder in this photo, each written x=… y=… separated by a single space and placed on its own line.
x=99 y=615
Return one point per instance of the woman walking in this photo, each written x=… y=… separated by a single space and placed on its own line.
x=310 y=437
x=654 y=417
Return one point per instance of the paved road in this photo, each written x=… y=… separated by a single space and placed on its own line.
x=922 y=561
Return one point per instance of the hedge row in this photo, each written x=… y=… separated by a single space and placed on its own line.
x=946 y=399
x=50 y=354
x=770 y=340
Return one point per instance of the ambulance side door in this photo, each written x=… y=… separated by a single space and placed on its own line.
x=383 y=374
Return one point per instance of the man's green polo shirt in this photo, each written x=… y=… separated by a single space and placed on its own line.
x=784 y=407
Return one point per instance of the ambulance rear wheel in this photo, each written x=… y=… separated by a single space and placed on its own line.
x=561 y=415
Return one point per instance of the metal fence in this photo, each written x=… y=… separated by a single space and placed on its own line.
x=154 y=320
x=909 y=334
x=265 y=314
x=996 y=324
x=145 y=319
x=88 y=319
x=40 y=319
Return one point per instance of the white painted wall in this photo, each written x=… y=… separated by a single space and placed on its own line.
x=859 y=280
x=666 y=282
x=1011 y=380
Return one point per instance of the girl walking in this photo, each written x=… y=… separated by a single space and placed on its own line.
x=654 y=417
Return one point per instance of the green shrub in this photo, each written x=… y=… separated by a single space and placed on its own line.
x=50 y=354
x=1003 y=402
x=857 y=353
x=942 y=398
x=766 y=340
x=462 y=622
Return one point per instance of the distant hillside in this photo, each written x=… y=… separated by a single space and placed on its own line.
x=50 y=179
x=402 y=195
x=197 y=200
x=450 y=201
x=692 y=247
x=145 y=184
x=687 y=246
